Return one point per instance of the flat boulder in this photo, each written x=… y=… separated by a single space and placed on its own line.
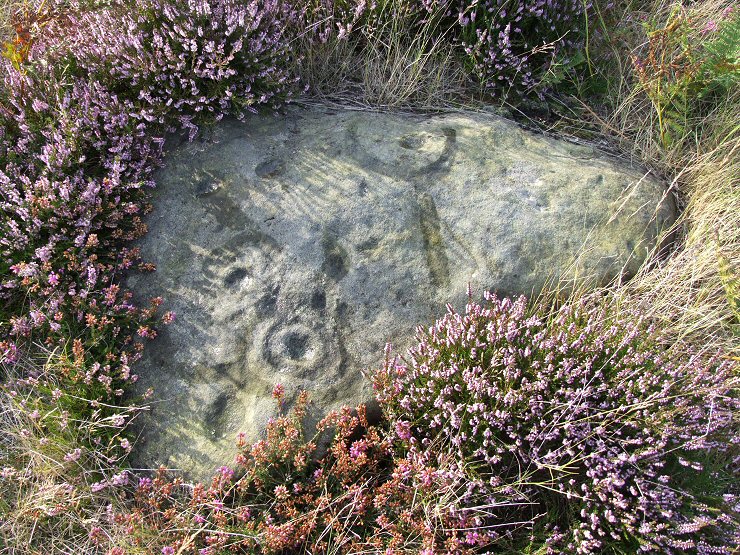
x=293 y=247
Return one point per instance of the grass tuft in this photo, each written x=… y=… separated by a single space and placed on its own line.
x=687 y=291
x=394 y=62
x=57 y=483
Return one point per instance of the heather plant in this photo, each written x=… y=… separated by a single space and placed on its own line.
x=510 y=429
x=75 y=164
x=286 y=495
x=510 y=44
x=577 y=431
x=321 y=20
x=186 y=59
x=79 y=143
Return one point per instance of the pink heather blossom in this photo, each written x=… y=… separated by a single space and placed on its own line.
x=39 y=106
x=278 y=392
x=403 y=430
x=73 y=455
x=8 y=352
x=226 y=472
x=99 y=486
x=120 y=479
x=358 y=448
x=281 y=492
x=710 y=27
x=146 y=332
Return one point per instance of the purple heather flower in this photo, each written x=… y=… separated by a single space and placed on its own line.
x=543 y=403
x=710 y=27
x=403 y=430
x=73 y=455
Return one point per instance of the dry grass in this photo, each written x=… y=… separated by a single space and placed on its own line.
x=6 y=10
x=693 y=292
x=394 y=65
x=47 y=500
x=421 y=71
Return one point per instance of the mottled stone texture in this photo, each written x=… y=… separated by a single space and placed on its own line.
x=292 y=248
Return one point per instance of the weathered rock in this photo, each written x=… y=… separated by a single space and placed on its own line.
x=292 y=248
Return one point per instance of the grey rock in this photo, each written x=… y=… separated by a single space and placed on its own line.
x=292 y=248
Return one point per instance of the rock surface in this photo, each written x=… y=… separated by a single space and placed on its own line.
x=292 y=248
